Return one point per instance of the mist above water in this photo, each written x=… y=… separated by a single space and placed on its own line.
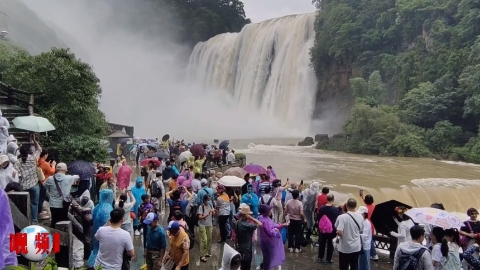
x=143 y=73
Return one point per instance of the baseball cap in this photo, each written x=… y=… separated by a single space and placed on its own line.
x=204 y=182
x=61 y=166
x=173 y=225
x=151 y=217
x=362 y=210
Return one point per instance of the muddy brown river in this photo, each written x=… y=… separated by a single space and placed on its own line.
x=415 y=181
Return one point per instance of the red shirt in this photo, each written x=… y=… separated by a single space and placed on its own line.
x=370 y=208
x=321 y=200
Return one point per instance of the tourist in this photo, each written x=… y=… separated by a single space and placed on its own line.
x=204 y=191
x=157 y=190
x=179 y=247
x=404 y=223
x=113 y=242
x=364 y=257
x=251 y=199
x=277 y=193
x=156 y=242
x=293 y=187
x=471 y=257
x=230 y=157
x=144 y=209
x=309 y=205
x=191 y=212
x=471 y=227
x=178 y=217
x=59 y=186
x=116 y=168
x=326 y=235
x=265 y=183
x=369 y=203
x=414 y=247
x=123 y=203
x=137 y=191
x=123 y=176
x=271 y=173
x=322 y=198
x=109 y=184
x=100 y=216
x=12 y=152
x=27 y=170
x=85 y=200
x=4 y=135
x=437 y=254
x=13 y=187
x=271 y=242
x=196 y=184
x=452 y=260
x=244 y=229
x=294 y=211
x=349 y=229
x=223 y=208
x=99 y=178
x=48 y=169
x=8 y=173
x=168 y=172
x=7 y=257
x=205 y=225
x=231 y=259
x=175 y=202
x=268 y=199
x=429 y=227
x=187 y=173
x=247 y=182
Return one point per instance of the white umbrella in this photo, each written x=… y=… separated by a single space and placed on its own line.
x=433 y=216
x=33 y=123
x=184 y=156
x=231 y=181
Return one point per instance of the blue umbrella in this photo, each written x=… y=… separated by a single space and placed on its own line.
x=224 y=144
x=124 y=140
x=82 y=168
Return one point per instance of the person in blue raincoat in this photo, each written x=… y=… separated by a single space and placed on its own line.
x=100 y=216
x=137 y=191
x=251 y=199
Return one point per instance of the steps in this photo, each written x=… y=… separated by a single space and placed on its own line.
x=10 y=113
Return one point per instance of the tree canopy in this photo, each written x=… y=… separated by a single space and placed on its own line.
x=422 y=61
x=67 y=93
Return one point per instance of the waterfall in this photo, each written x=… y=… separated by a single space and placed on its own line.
x=265 y=68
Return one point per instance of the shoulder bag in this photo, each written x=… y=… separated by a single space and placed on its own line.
x=67 y=200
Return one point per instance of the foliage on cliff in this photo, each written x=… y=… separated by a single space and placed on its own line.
x=67 y=93
x=428 y=54
x=202 y=19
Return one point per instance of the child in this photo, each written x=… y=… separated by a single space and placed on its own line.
x=145 y=207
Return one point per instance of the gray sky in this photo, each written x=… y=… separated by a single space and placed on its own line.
x=260 y=10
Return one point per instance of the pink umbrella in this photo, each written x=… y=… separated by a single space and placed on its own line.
x=255 y=169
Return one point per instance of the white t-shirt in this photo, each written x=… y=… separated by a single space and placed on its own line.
x=112 y=244
x=350 y=240
x=127 y=207
x=437 y=255
x=367 y=234
x=230 y=157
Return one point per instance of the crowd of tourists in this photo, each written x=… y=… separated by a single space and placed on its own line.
x=265 y=211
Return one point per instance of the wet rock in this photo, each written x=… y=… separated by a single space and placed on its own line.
x=307 y=142
x=340 y=136
x=321 y=145
x=321 y=137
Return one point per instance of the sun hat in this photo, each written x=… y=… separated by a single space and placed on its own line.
x=151 y=217
x=244 y=209
x=61 y=166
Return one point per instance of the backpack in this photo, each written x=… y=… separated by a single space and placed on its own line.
x=269 y=200
x=190 y=237
x=155 y=190
x=325 y=225
x=410 y=261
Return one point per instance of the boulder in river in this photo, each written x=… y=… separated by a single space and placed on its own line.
x=321 y=137
x=340 y=136
x=307 y=142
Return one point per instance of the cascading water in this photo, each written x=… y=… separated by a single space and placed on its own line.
x=265 y=67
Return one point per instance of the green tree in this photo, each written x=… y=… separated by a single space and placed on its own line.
x=444 y=136
x=67 y=93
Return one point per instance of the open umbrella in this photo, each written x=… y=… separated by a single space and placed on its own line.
x=33 y=123
x=382 y=216
x=160 y=155
x=165 y=137
x=119 y=134
x=184 y=156
x=82 y=168
x=148 y=160
x=235 y=171
x=124 y=140
x=152 y=146
x=231 y=181
x=224 y=144
x=255 y=169
x=197 y=150
x=433 y=216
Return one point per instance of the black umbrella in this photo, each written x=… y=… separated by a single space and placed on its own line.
x=224 y=144
x=382 y=216
x=165 y=137
x=82 y=168
x=160 y=155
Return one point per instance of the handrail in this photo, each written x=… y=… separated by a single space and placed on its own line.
x=12 y=92
x=13 y=89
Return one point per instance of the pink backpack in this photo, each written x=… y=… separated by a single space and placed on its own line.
x=325 y=225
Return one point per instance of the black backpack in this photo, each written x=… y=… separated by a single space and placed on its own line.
x=190 y=237
x=410 y=261
x=269 y=200
x=155 y=190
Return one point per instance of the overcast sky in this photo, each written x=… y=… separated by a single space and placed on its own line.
x=260 y=10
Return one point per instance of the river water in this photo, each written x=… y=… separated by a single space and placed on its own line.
x=418 y=182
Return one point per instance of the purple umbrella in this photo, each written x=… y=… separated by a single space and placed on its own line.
x=82 y=168
x=255 y=169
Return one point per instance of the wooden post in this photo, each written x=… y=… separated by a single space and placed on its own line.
x=30 y=104
x=64 y=258
x=20 y=207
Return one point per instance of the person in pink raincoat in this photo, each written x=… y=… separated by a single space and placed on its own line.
x=271 y=173
x=123 y=176
x=180 y=180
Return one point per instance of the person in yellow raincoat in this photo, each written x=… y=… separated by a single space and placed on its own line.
x=191 y=161
x=197 y=168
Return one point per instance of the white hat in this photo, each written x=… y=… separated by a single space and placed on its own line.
x=61 y=166
x=362 y=210
x=244 y=209
x=4 y=158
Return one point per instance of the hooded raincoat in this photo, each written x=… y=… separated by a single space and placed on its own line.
x=12 y=152
x=137 y=192
x=4 y=135
x=272 y=174
x=123 y=176
x=85 y=200
x=271 y=243
x=228 y=254
x=252 y=200
x=7 y=258
x=6 y=176
x=100 y=216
